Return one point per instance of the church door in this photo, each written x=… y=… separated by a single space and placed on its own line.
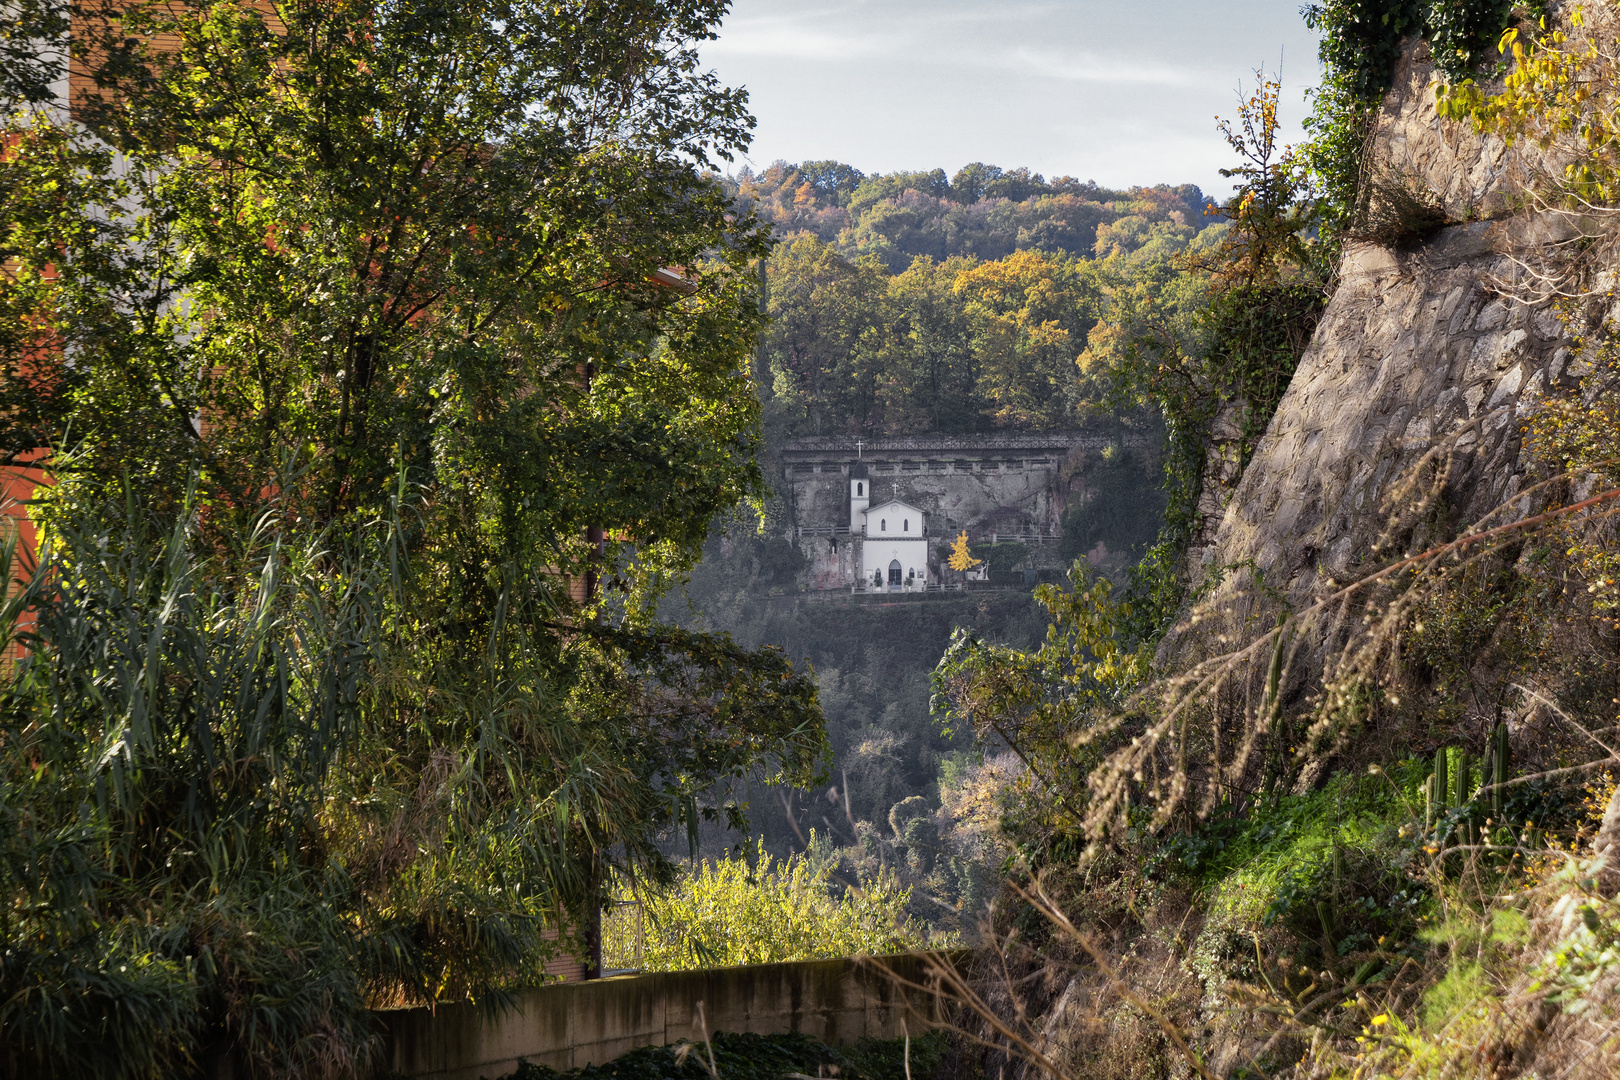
x=894 y=573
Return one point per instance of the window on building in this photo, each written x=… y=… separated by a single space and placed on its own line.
x=860 y=489
x=905 y=526
x=883 y=525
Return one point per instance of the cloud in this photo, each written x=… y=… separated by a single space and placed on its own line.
x=810 y=36
x=1087 y=68
x=797 y=37
x=1063 y=86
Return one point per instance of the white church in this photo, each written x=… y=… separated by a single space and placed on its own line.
x=894 y=539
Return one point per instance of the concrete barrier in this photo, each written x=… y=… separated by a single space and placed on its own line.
x=574 y=1024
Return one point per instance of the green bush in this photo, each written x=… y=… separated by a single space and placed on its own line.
x=1328 y=869
x=735 y=911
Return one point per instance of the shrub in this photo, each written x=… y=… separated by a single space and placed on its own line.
x=736 y=911
x=1399 y=211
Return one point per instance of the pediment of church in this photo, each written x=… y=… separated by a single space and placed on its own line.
x=894 y=508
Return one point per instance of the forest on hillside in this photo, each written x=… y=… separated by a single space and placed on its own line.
x=993 y=300
x=911 y=303
x=908 y=302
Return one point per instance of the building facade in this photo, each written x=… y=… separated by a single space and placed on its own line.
x=860 y=506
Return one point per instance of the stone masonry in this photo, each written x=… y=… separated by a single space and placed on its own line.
x=996 y=487
x=1416 y=347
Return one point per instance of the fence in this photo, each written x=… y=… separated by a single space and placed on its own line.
x=567 y=1026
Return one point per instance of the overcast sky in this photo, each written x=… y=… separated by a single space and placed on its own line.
x=1120 y=92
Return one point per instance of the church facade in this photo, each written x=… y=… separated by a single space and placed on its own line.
x=893 y=547
x=882 y=513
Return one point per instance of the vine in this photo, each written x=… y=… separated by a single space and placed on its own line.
x=1361 y=39
x=1361 y=42
x=1235 y=344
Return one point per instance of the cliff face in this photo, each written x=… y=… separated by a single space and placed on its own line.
x=1417 y=349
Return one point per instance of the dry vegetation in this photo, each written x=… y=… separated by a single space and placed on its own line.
x=1236 y=864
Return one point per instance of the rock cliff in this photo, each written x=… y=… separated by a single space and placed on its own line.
x=1419 y=348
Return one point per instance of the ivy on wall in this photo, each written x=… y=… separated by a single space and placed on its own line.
x=1361 y=41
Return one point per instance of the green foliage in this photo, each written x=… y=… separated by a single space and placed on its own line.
x=1361 y=39
x=1328 y=879
x=1361 y=42
x=374 y=439
x=761 y=1057
x=415 y=321
x=1055 y=705
x=911 y=304
x=26 y=69
x=191 y=734
x=1123 y=507
x=224 y=806
x=1004 y=558
x=1258 y=333
x=734 y=910
x=1333 y=154
x=1465 y=984
x=954 y=346
x=983 y=212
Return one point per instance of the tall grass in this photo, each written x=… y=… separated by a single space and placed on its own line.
x=237 y=809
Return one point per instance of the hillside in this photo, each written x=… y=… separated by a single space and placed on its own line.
x=983 y=212
x=1353 y=814
x=905 y=303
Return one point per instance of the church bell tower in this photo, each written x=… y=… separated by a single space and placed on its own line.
x=860 y=495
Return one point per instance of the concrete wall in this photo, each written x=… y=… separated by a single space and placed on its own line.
x=567 y=1026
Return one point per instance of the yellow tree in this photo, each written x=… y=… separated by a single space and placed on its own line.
x=1027 y=314
x=961 y=558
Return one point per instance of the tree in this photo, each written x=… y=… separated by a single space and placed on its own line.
x=828 y=340
x=833 y=180
x=416 y=340
x=1029 y=314
x=961 y=558
x=937 y=379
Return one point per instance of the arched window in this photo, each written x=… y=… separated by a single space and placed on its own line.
x=905 y=526
x=883 y=525
x=860 y=489
x=894 y=572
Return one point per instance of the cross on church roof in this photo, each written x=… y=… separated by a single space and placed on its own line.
x=858 y=445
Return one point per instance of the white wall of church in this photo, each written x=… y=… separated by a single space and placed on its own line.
x=878 y=552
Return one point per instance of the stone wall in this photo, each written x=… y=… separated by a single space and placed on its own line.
x=1419 y=348
x=992 y=486
x=568 y=1026
x=1414 y=349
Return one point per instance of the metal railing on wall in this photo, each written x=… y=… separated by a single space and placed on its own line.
x=624 y=937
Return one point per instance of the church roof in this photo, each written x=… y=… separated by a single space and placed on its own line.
x=857 y=470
